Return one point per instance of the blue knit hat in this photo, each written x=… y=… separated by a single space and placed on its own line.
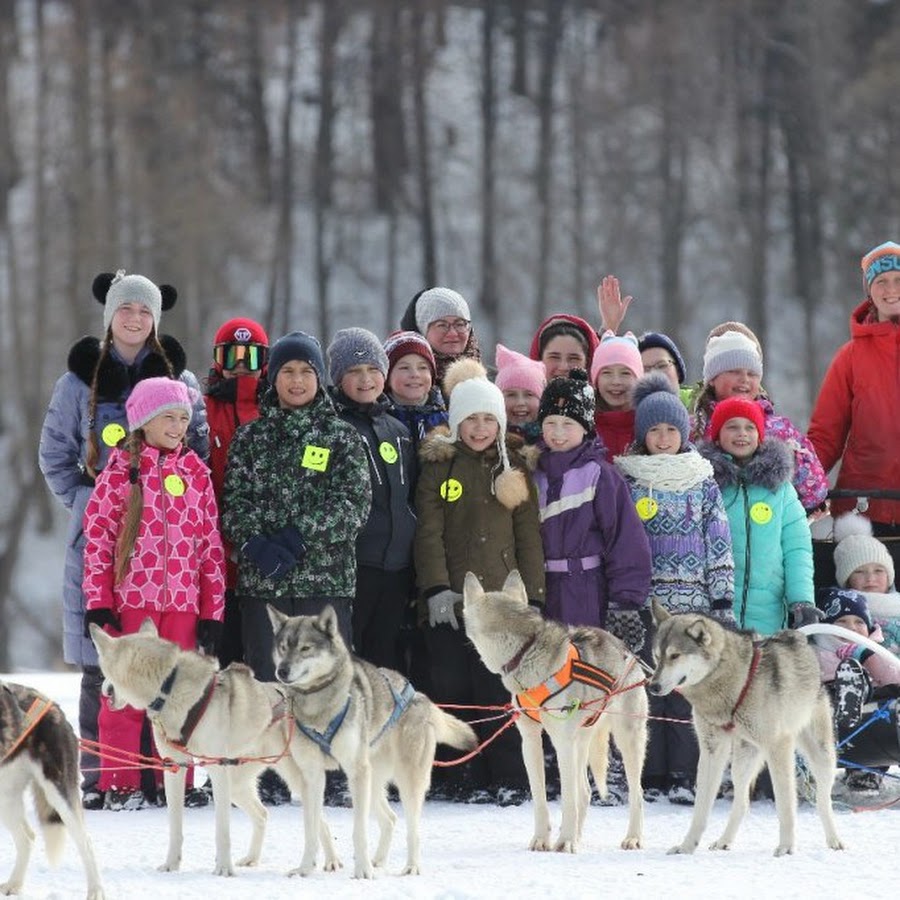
x=883 y=258
x=838 y=602
x=656 y=339
x=655 y=401
x=296 y=345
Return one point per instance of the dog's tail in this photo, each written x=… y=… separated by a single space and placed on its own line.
x=452 y=731
x=598 y=759
x=52 y=826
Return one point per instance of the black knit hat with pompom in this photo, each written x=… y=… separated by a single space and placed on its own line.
x=571 y=396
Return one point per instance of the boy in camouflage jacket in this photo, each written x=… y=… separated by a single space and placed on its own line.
x=297 y=491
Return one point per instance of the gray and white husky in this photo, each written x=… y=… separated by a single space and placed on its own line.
x=752 y=702
x=369 y=722
x=527 y=651
x=198 y=711
x=45 y=757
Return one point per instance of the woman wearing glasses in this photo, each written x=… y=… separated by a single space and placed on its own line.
x=240 y=354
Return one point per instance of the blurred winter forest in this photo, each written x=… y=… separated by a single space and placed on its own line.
x=317 y=163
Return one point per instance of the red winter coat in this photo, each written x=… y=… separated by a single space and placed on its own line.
x=856 y=418
x=177 y=564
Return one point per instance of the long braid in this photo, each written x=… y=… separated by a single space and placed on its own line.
x=93 y=448
x=134 y=507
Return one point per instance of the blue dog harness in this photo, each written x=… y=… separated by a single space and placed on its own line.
x=323 y=739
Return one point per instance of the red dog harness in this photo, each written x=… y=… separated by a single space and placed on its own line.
x=573 y=669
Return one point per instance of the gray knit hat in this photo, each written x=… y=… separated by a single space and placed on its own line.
x=114 y=290
x=296 y=345
x=437 y=303
x=355 y=347
x=731 y=350
x=856 y=546
x=655 y=401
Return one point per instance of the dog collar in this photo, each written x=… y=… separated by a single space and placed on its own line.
x=754 y=665
x=513 y=663
x=159 y=701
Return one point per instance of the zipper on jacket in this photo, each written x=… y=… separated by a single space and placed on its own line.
x=747 y=524
x=165 y=521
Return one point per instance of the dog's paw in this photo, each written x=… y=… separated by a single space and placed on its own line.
x=332 y=864
x=248 y=861
x=10 y=887
x=681 y=850
x=300 y=871
x=170 y=865
x=412 y=869
x=541 y=844
x=226 y=870
x=631 y=843
x=784 y=850
x=836 y=843
x=566 y=846
x=723 y=845
x=363 y=870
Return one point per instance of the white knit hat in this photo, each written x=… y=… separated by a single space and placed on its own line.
x=731 y=350
x=437 y=303
x=855 y=546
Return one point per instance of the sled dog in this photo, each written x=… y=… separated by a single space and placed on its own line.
x=548 y=665
x=198 y=711
x=753 y=702
x=368 y=721
x=39 y=748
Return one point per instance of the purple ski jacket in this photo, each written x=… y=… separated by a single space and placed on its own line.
x=597 y=556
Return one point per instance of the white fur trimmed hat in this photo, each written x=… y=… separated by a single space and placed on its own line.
x=731 y=350
x=855 y=546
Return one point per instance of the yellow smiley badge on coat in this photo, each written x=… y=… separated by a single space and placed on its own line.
x=315 y=458
x=646 y=508
x=761 y=513
x=174 y=484
x=112 y=434
x=388 y=452
x=451 y=490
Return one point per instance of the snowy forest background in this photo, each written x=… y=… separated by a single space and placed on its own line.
x=317 y=163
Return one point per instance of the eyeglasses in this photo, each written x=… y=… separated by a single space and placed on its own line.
x=660 y=366
x=229 y=356
x=443 y=326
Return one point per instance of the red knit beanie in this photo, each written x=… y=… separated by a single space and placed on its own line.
x=734 y=408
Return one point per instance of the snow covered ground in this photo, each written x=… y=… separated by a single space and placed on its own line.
x=476 y=851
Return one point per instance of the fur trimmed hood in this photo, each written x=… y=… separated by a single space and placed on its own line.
x=114 y=377
x=771 y=466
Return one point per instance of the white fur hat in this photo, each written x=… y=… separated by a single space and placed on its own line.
x=855 y=546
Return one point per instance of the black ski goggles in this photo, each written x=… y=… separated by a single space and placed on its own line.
x=230 y=356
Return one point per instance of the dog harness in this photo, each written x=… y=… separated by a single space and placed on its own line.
x=573 y=669
x=194 y=714
x=754 y=665
x=323 y=739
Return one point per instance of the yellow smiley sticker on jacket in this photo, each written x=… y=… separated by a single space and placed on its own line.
x=388 y=452
x=451 y=490
x=174 y=484
x=646 y=508
x=112 y=434
x=761 y=513
x=315 y=458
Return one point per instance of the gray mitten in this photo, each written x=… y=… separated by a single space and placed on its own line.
x=626 y=625
x=805 y=614
x=440 y=609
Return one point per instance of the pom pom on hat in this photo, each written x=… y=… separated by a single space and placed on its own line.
x=617 y=351
x=403 y=343
x=655 y=401
x=655 y=339
x=355 y=347
x=883 y=258
x=300 y=346
x=734 y=408
x=837 y=602
x=114 y=290
x=855 y=546
x=152 y=396
x=571 y=396
x=730 y=350
x=516 y=371
x=438 y=303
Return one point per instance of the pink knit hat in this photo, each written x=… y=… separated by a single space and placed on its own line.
x=617 y=351
x=517 y=372
x=152 y=396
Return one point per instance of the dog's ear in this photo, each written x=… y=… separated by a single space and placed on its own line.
x=100 y=638
x=697 y=631
x=515 y=587
x=276 y=617
x=472 y=589
x=148 y=627
x=660 y=613
x=328 y=621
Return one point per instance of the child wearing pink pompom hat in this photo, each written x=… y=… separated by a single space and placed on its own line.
x=522 y=381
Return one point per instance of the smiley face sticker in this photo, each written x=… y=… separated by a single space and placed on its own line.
x=388 y=452
x=112 y=434
x=315 y=458
x=646 y=508
x=761 y=513
x=174 y=484
x=451 y=490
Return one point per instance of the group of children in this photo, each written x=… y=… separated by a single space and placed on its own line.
x=586 y=465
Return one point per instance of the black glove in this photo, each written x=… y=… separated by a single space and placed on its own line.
x=209 y=633
x=289 y=538
x=102 y=617
x=271 y=558
x=805 y=614
x=626 y=625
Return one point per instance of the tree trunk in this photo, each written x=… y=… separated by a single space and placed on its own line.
x=489 y=300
